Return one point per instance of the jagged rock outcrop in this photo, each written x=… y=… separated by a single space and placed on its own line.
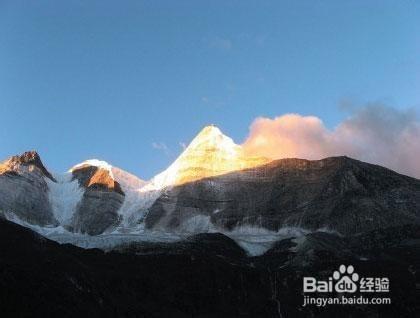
x=24 y=190
x=338 y=193
x=103 y=197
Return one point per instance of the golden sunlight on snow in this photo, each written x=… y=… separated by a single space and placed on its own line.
x=211 y=153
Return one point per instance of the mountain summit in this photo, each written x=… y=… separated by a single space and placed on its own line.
x=210 y=153
x=29 y=159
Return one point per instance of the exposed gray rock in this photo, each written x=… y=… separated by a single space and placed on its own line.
x=24 y=191
x=337 y=193
x=98 y=209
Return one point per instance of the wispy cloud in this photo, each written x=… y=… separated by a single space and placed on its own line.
x=162 y=147
x=375 y=133
x=221 y=43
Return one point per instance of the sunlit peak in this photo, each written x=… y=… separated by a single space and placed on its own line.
x=210 y=153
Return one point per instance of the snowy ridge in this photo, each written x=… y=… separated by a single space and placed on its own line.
x=127 y=181
x=95 y=163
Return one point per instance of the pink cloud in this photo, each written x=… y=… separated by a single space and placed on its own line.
x=375 y=133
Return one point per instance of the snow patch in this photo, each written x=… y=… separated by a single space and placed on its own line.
x=258 y=240
x=109 y=241
x=254 y=248
x=330 y=231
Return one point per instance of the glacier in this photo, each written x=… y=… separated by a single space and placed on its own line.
x=253 y=240
x=64 y=195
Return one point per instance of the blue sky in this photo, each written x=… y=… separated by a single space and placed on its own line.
x=108 y=79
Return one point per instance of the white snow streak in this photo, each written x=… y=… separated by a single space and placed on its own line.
x=64 y=195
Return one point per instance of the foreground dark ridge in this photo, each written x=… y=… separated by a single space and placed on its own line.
x=208 y=275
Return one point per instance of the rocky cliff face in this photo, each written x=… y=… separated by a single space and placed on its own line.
x=24 y=190
x=339 y=194
x=103 y=197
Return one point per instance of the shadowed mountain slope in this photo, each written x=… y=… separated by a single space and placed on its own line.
x=338 y=193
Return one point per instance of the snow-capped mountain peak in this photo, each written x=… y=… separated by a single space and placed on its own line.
x=209 y=154
x=95 y=163
x=211 y=139
x=127 y=180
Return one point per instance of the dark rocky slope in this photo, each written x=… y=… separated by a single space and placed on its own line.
x=338 y=193
x=103 y=196
x=206 y=276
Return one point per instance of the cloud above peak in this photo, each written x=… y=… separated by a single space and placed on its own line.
x=375 y=133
